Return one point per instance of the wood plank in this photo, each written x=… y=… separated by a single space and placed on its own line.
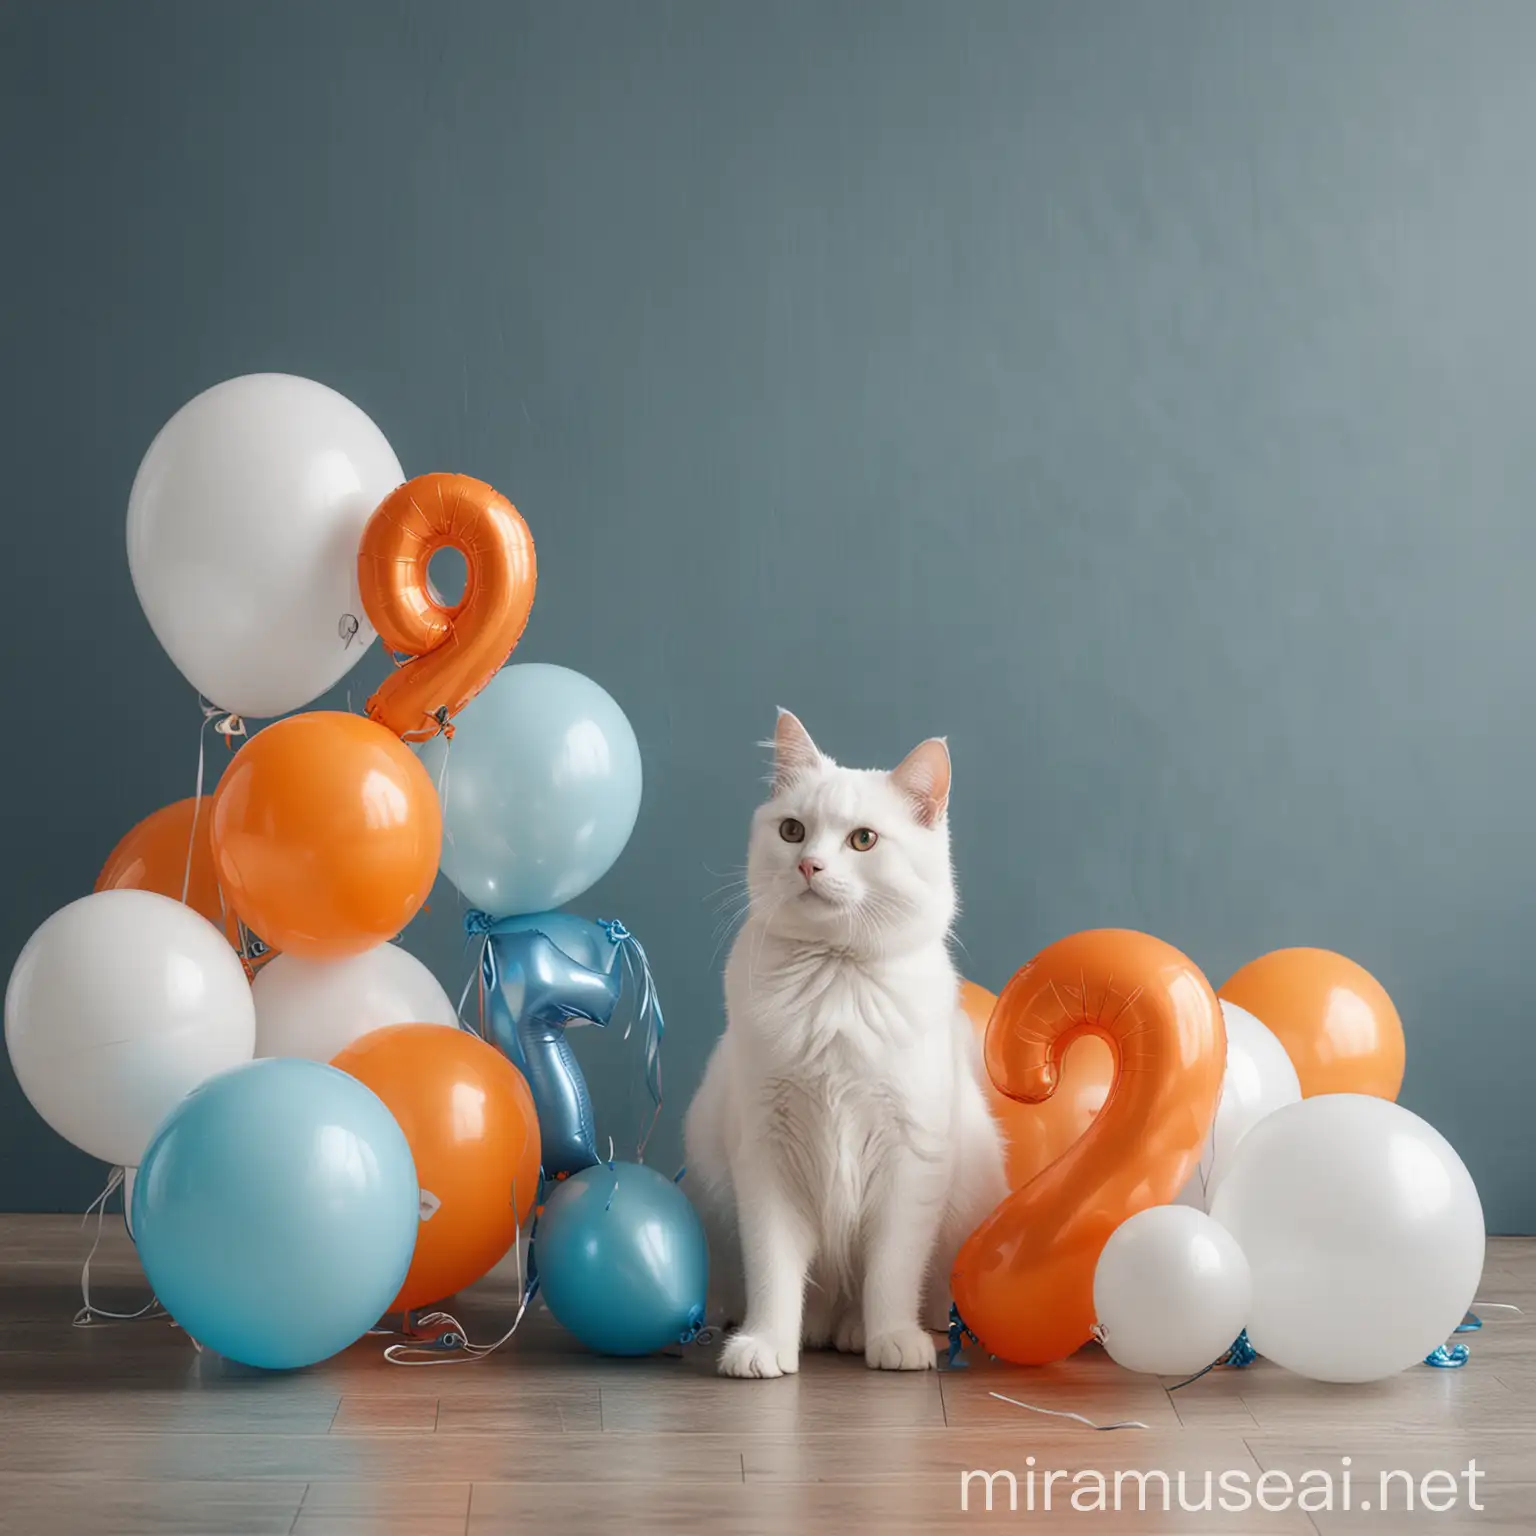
x=124 y=1429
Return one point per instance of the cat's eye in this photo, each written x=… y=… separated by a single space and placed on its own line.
x=792 y=831
x=862 y=839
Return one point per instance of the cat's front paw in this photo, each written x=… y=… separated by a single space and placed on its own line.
x=903 y=1349
x=752 y=1355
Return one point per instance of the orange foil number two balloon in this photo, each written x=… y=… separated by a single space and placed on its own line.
x=1035 y=1135
x=456 y=649
x=1023 y=1282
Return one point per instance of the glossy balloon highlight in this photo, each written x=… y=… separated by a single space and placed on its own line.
x=1333 y=1017
x=1171 y=1291
x=243 y=527
x=275 y=1212
x=121 y=1003
x=474 y=1137
x=326 y=833
x=540 y=789
x=621 y=1259
x=1364 y=1233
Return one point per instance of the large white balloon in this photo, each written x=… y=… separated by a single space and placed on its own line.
x=120 y=1005
x=243 y=527
x=1259 y=1079
x=316 y=1008
x=1364 y=1233
x=1171 y=1291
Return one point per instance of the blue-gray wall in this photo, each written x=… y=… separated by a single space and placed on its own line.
x=1144 y=394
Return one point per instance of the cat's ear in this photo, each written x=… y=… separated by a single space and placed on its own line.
x=923 y=777
x=793 y=750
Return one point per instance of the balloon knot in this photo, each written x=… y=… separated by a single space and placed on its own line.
x=958 y=1333
x=477 y=923
x=1242 y=1352
x=1448 y=1357
x=224 y=722
x=616 y=931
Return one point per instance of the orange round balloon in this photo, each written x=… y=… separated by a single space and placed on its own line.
x=326 y=833
x=1333 y=1017
x=153 y=857
x=455 y=650
x=469 y=1118
x=1023 y=1281
x=1037 y=1134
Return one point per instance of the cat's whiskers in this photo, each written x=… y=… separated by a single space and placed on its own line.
x=727 y=926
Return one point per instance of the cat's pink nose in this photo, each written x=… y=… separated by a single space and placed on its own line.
x=809 y=866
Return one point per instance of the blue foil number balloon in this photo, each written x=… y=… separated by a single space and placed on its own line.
x=622 y=1260
x=543 y=973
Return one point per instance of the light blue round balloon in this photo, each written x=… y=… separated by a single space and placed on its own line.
x=622 y=1260
x=275 y=1212
x=540 y=789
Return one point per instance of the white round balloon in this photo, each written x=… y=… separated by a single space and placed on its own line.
x=1259 y=1079
x=1171 y=1291
x=120 y=1005
x=316 y=1008
x=1364 y=1233
x=243 y=527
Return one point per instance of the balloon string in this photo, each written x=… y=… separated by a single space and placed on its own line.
x=89 y=1314
x=1239 y=1357
x=647 y=1012
x=1057 y=1413
x=228 y=726
x=477 y=974
x=453 y=1346
x=442 y=782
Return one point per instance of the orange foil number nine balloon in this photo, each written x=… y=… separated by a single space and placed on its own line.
x=1023 y=1282
x=457 y=649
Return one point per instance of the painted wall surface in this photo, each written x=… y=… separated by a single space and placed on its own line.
x=1139 y=394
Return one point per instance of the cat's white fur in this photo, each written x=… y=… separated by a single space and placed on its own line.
x=840 y=1123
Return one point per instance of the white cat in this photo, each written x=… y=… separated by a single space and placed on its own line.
x=840 y=1120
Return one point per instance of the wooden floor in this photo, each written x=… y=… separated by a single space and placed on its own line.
x=124 y=1429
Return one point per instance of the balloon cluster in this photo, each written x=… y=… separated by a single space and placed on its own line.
x=310 y=1138
x=1192 y=1185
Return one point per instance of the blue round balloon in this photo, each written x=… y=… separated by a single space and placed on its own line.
x=540 y=789
x=622 y=1260
x=275 y=1212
